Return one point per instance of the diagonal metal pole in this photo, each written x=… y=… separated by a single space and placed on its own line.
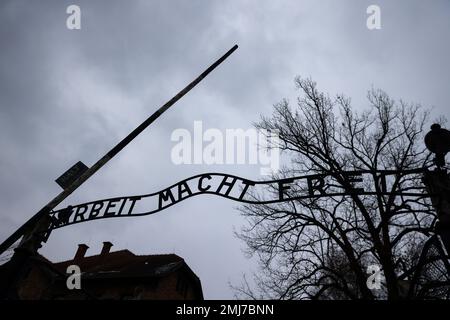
x=32 y=222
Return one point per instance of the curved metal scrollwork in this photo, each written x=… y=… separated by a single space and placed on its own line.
x=238 y=189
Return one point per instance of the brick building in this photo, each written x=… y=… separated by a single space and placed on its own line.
x=117 y=275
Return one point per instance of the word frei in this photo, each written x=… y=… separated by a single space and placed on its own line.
x=234 y=146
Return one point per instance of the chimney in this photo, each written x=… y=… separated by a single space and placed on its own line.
x=106 y=248
x=82 y=248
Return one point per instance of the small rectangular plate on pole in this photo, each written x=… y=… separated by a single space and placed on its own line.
x=68 y=177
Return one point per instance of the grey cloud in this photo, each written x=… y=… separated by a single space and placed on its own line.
x=71 y=95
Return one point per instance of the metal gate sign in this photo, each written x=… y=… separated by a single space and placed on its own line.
x=239 y=189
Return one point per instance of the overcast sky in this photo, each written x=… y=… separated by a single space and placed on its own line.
x=70 y=95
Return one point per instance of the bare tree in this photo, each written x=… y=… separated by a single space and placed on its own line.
x=320 y=248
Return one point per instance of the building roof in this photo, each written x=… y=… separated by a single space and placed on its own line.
x=122 y=264
x=126 y=264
